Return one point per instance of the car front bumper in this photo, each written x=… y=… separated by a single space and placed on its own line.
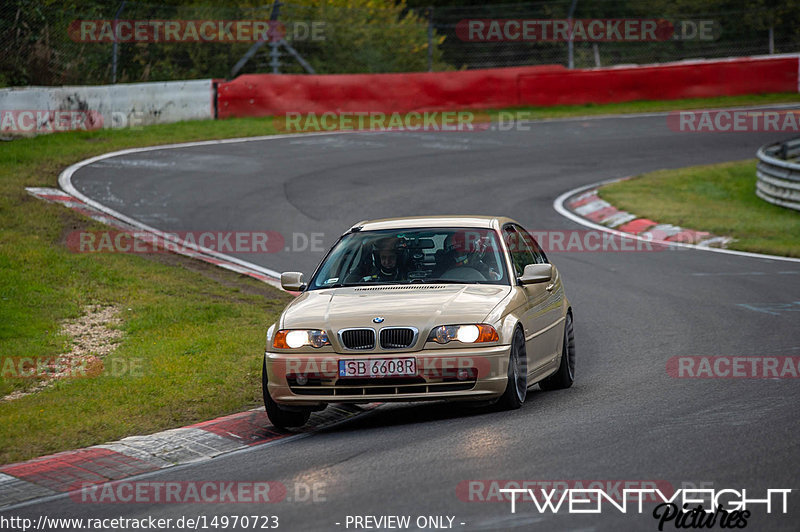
x=437 y=377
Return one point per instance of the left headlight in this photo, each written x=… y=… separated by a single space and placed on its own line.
x=295 y=338
x=468 y=334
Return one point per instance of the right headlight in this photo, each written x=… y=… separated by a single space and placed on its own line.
x=296 y=338
x=468 y=334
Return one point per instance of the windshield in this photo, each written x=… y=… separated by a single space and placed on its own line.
x=442 y=255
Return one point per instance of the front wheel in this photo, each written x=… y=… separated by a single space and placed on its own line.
x=517 y=387
x=565 y=375
x=279 y=417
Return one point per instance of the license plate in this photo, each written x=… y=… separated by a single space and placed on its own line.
x=378 y=367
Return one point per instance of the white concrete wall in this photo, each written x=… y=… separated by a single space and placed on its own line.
x=121 y=105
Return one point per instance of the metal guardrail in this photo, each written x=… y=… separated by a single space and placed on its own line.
x=778 y=173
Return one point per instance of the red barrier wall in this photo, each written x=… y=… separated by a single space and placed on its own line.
x=662 y=82
x=267 y=94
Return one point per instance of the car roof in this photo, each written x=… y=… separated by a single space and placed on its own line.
x=411 y=222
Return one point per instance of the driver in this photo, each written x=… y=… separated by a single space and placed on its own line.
x=386 y=261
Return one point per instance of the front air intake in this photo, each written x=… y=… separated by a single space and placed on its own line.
x=398 y=337
x=357 y=338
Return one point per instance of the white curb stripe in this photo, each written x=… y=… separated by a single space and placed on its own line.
x=175 y=446
x=663 y=230
x=13 y=490
x=618 y=218
x=558 y=205
x=717 y=241
x=332 y=421
x=591 y=207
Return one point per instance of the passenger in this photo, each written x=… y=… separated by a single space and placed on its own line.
x=458 y=252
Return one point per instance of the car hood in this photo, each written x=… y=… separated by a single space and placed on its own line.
x=420 y=306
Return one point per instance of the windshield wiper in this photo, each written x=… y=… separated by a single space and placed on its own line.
x=426 y=281
x=341 y=285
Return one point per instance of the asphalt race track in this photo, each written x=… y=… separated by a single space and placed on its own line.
x=625 y=418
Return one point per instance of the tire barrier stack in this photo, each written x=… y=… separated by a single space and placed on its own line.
x=778 y=173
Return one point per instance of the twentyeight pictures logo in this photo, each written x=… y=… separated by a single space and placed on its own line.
x=684 y=508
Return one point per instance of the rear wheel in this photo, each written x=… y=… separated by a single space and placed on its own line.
x=517 y=387
x=281 y=417
x=565 y=375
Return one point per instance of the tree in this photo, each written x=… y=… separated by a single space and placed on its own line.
x=364 y=36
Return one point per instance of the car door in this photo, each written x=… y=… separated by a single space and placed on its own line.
x=553 y=331
x=534 y=316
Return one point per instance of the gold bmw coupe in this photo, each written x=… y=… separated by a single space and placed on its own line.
x=424 y=308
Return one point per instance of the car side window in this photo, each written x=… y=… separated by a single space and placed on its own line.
x=534 y=247
x=521 y=254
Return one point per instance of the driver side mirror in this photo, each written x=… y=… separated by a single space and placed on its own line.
x=292 y=281
x=536 y=273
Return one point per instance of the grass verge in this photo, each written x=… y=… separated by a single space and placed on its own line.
x=193 y=332
x=719 y=198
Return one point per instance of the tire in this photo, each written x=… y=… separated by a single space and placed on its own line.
x=279 y=417
x=565 y=375
x=517 y=387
